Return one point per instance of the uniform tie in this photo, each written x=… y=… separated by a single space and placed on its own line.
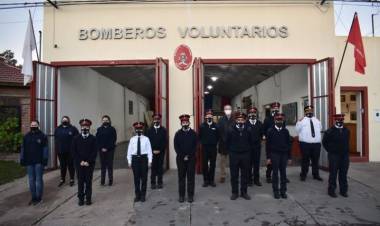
x=138 y=146
x=312 y=128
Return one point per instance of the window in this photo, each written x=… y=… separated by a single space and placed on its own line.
x=130 y=107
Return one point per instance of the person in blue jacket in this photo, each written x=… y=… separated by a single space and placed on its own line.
x=34 y=155
x=106 y=137
x=63 y=137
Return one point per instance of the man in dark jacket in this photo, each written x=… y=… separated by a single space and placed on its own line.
x=158 y=138
x=63 y=137
x=257 y=134
x=209 y=137
x=84 y=151
x=223 y=126
x=279 y=154
x=336 y=142
x=106 y=137
x=239 y=145
x=185 y=145
x=34 y=155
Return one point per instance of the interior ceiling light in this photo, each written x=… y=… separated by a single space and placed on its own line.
x=209 y=87
x=214 y=78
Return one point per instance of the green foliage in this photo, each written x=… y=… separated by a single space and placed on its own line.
x=10 y=135
x=8 y=56
x=10 y=170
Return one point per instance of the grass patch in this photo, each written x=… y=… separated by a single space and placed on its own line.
x=10 y=170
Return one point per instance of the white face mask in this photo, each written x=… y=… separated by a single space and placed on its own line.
x=227 y=112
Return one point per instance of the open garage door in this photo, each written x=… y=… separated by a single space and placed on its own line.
x=322 y=96
x=44 y=107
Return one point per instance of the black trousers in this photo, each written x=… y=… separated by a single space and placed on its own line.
x=269 y=169
x=310 y=152
x=186 y=173
x=338 y=167
x=106 y=164
x=239 y=167
x=157 y=169
x=140 y=174
x=67 y=164
x=209 y=163
x=85 y=181
x=279 y=163
x=254 y=168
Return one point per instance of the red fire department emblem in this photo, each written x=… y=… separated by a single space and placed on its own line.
x=183 y=57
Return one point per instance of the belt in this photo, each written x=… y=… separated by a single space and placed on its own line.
x=138 y=156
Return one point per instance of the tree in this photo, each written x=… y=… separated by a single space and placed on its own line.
x=8 y=55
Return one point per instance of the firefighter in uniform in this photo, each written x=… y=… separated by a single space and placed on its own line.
x=185 y=145
x=84 y=151
x=223 y=125
x=257 y=134
x=157 y=135
x=106 y=137
x=279 y=154
x=139 y=157
x=239 y=145
x=309 y=133
x=209 y=137
x=63 y=137
x=336 y=142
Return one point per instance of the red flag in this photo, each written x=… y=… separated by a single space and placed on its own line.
x=355 y=38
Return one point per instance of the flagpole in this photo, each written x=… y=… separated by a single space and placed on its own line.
x=35 y=42
x=344 y=52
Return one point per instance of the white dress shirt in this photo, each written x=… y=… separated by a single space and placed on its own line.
x=146 y=148
x=303 y=129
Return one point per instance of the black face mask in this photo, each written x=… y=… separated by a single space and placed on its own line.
x=106 y=124
x=252 y=117
x=139 y=132
x=309 y=115
x=240 y=124
x=156 y=123
x=209 y=120
x=339 y=124
x=275 y=112
x=279 y=124
x=85 y=131
x=34 y=129
x=185 y=126
x=65 y=123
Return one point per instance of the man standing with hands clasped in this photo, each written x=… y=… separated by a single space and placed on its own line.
x=139 y=156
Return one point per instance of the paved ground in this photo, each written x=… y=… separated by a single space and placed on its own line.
x=307 y=204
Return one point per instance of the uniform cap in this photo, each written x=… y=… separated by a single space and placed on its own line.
x=184 y=117
x=138 y=125
x=85 y=122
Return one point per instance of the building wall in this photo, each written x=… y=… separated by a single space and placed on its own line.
x=287 y=86
x=311 y=35
x=83 y=92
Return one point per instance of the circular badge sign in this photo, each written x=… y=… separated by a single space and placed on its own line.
x=183 y=57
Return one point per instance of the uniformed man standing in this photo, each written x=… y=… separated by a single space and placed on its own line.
x=84 y=151
x=257 y=134
x=209 y=137
x=139 y=156
x=158 y=137
x=63 y=136
x=239 y=145
x=34 y=155
x=106 y=137
x=185 y=145
x=223 y=125
x=279 y=154
x=309 y=133
x=336 y=142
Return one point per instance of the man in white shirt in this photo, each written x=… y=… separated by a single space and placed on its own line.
x=139 y=156
x=309 y=133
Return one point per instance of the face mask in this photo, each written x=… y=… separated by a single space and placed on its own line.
x=186 y=126
x=309 y=115
x=227 y=112
x=85 y=131
x=339 y=124
x=275 y=112
x=33 y=129
x=252 y=117
x=156 y=123
x=65 y=123
x=240 y=124
x=106 y=124
x=279 y=124
x=209 y=120
x=139 y=132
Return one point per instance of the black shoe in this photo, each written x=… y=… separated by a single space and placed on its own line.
x=88 y=202
x=258 y=183
x=318 y=178
x=160 y=186
x=234 y=196
x=71 y=183
x=332 y=194
x=81 y=202
x=250 y=184
x=212 y=184
x=269 y=180
x=284 y=196
x=205 y=184
x=137 y=199
x=61 y=183
x=344 y=194
x=181 y=199
x=31 y=202
x=153 y=186
x=245 y=196
x=142 y=199
x=302 y=178
x=102 y=183
x=110 y=183
x=276 y=196
x=190 y=199
x=287 y=180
